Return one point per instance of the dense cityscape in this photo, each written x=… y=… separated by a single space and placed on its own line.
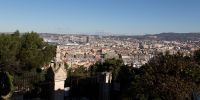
x=85 y=50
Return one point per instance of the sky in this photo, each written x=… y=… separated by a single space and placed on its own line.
x=116 y=16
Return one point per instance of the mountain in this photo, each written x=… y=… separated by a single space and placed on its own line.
x=176 y=36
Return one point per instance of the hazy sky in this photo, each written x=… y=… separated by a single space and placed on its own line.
x=120 y=16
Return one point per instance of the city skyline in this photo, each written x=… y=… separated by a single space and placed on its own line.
x=134 y=17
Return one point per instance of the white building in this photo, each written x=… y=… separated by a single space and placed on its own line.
x=60 y=76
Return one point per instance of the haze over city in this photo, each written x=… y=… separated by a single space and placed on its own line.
x=133 y=17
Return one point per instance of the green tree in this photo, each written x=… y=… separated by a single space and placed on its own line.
x=167 y=77
x=66 y=66
x=196 y=56
x=109 y=65
x=23 y=54
x=80 y=71
x=6 y=83
x=9 y=51
x=34 y=51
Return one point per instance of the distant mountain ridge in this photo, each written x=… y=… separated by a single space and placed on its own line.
x=176 y=36
x=170 y=36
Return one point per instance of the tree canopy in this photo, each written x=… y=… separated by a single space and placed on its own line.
x=21 y=53
x=109 y=65
x=24 y=51
x=167 y=77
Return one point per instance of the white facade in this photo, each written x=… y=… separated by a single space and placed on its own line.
x=60 y=76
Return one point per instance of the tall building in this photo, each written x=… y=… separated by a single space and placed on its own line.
x=87 y=39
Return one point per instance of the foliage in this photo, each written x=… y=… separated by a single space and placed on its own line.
x=6 y=83
x=197 y=56
x=109 y=65
x=167 y=77
x=10 y=48
x=66 y=66
x=23 y=53
x=80 y=71
x=34 y=52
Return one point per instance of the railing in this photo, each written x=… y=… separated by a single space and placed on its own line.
x=26 y=81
